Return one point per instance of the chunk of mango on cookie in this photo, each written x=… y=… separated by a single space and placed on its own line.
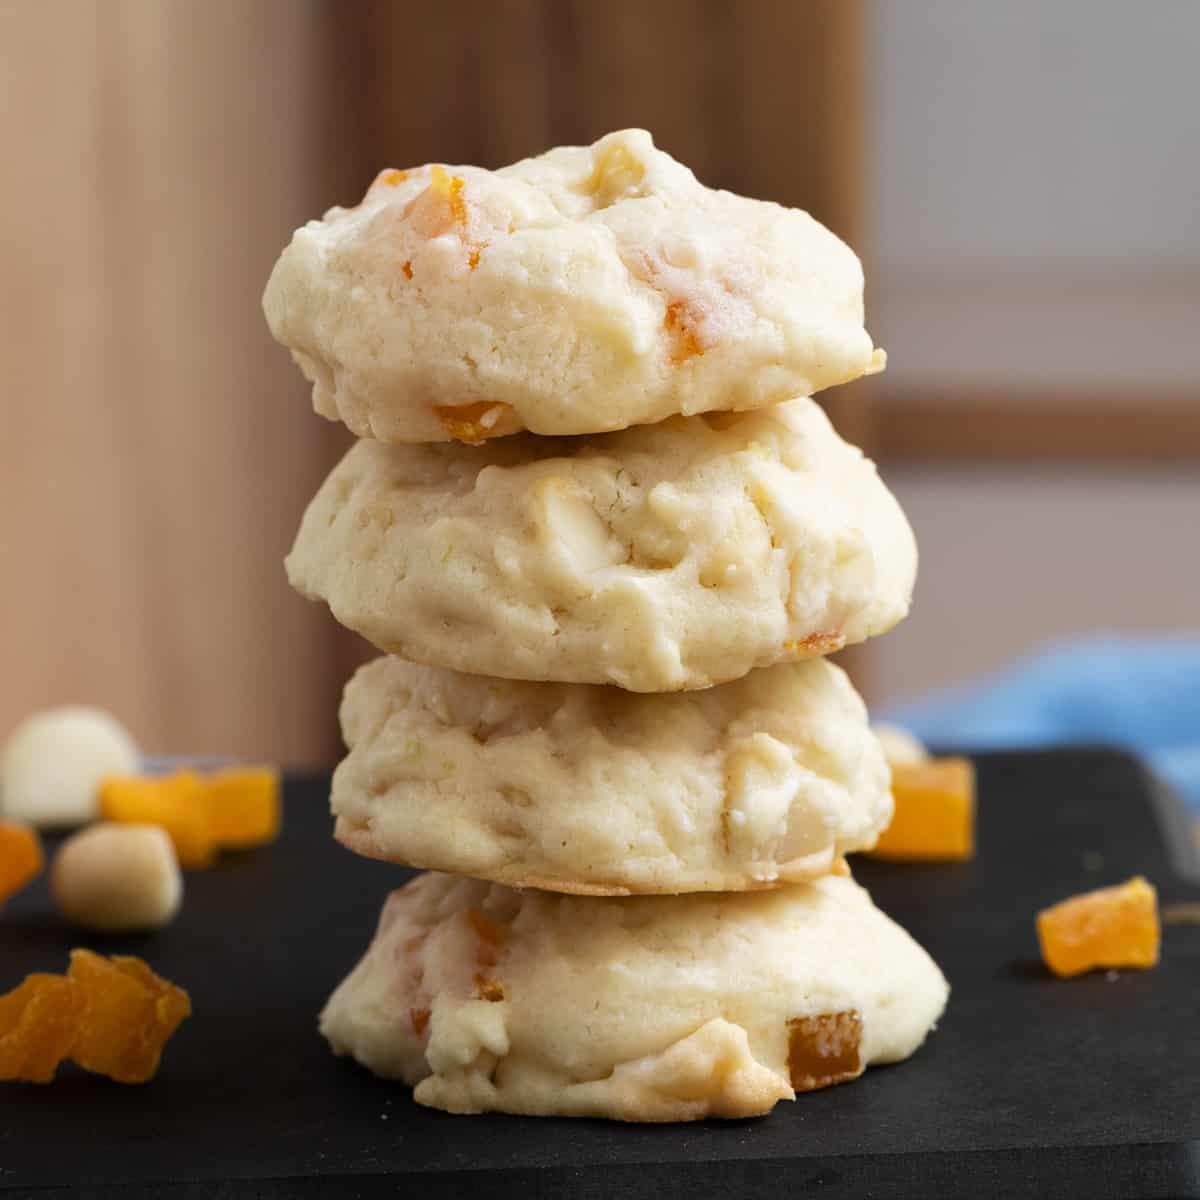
x=237 y=808
x=1110 y=927
x=112 y=1016
x=934 y=818
x=825 y=1050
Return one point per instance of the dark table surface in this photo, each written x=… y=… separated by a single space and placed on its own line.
x=1031 y=1085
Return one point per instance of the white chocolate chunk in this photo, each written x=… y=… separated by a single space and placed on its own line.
x=116 y=878
x=53 y=762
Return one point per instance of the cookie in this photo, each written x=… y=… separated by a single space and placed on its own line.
x=639 y=1009
x=587 y=290
x=595 y=790
x=661 y=558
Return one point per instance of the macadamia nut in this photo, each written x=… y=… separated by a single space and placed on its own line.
x=115 y=878
x=52 y=764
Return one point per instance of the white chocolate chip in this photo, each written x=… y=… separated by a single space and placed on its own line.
x=53 y=762
x=114 y=878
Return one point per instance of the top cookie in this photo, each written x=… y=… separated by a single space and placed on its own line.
x=587 y=290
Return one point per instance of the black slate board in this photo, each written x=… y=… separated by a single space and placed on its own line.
x=1030 y=1086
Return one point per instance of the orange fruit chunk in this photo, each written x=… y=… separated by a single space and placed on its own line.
x=243 y=806
x=21 y=858
x=129 y=1016
x=474 y=423
x=450 y=188
x=491 y=934
x=231 y=809
x=174 y=802
x=38 y=1020
x=112 y=1016
x=488 y=949
x=824 y=1050
x=815 y=643
x=489 y=989
x=934 y=818
x=1110 y=927
x=682 y=323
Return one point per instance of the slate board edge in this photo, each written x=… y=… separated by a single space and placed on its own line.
x=1140 y=1171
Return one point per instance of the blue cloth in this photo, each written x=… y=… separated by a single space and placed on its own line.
x=1141 y=693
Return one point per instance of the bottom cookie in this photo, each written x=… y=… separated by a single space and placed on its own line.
x=649 y=1008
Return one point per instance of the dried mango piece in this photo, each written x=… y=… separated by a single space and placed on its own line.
x=824 y=1050
x=176 y=802
x=234 y=808
x=815 y=644
x=21 y=858
x=450 y=188
x=476 y=422
x=243 y=806
x=491 y=942
x=1110 y=927
x=935 y=812
x=439 y=208
x=492 y=936
x=112 y=1016
x=129 y=1015
x=489 y=989
x=442 y=208
x=682 y=324
x=38 y=1020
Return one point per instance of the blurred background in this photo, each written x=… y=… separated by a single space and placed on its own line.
x=1021 y=180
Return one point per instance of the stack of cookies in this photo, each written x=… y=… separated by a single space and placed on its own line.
x=604 y=539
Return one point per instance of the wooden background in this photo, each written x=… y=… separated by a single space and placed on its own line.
x=158 y=448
